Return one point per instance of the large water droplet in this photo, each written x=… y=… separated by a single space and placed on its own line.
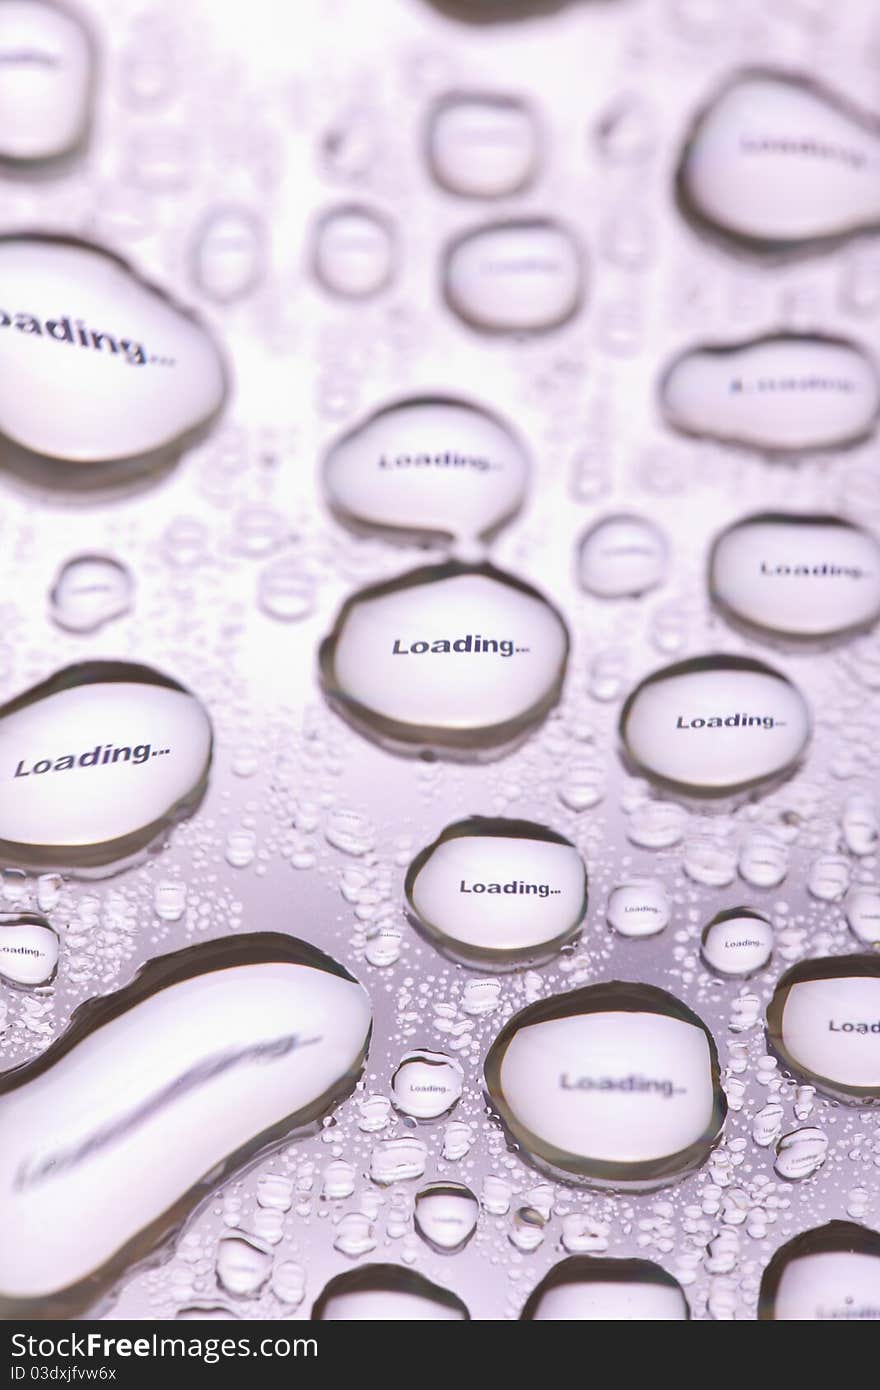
x=386 y=1293
x=97 y=761
x=104 y=378
x=832 y=1271
x=780 y=394
x=715 y=725
x=586 y=1288
x=498 y=891
x=427 y=1084
x=90 y=590
x=514 y=277
x=614 y=1084
x=244 y=1263
x=801 y=1153
x=824 y=1023
x=228 y=257
x=863 y=913
x=152 y=1095
x=737 y=942
x=47 y=61
x=449 y=658
x=481 y=145
x=446 y=1216
x=777 y=163
x=796 y=576
x=639 y=907
x=28 y=949
x=354 y=252
x=427 y=470
x=622 y=556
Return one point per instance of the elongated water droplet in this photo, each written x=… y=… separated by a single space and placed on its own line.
x=763 y=859
x=622 y=556
x=229 y=254
x=481 y=145
x=777 y=163
x=863 y=913
x=614 y=1084
x=126 y=1122
x=514 y=277
x=715 y=725
x=784 y=394
x=824 y=1023
x=446 y=1215
x=737 y=942
x=354 y=252
x=801 y=1153
x=29 y=949
x=588 y=1289
x=244 y=1264
x=639 y=907
x=427 y=1084
x=428 y=470
x=90 y=590
x=830 y=1272
x=47 y=61
x=406 y=662
x=97 y=761
x=386 y=1293
x=861 y=824
x=498 y=891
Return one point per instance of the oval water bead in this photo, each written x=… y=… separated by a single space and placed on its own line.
x=831 y=1272
x=153 y=1096
x=622 y=557
x=782 y=394
x=455 y=659
x=229 y=253
x=737 y=942
x=482 y=145
x=587 y=1288
x=498 y=892
x=514 y=277
x=776 y=163
x=428 y=469
x=863 y=913
x=386 y=1293
x=354 y=252
x=715 y=725
x=244 y=1263
x=427 y=1085
x=446 y=1215
x=98 y=761
x=47 y=72
x=614 y=1084
x=29 y=950
x=105 y=380
x=823 y=1022
x=639 y=907
x=89 y=591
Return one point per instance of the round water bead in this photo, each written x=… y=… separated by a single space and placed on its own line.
x=47 y=63
x=446 y=1215
x=824 y=1023
x=622 y=556
x=153 y=1096
x=427 y=469
x=105 y=380
x=427 y=1084
x=229 y=253
x=863 y=913
x=615 y=1084
x=776 y=163
x=386 y=1293
x=100 y=759
x=514 y=277
x=454 y=658
x=639 y=907
x=783 y=394
x=586 y=1288
x=715 y=725
x=784 y=574
x=354 y=252
x=832 y=1271
x=482 y=145
x=497 y=892
x=737 y=942
x=89 y=591
x=29 y=949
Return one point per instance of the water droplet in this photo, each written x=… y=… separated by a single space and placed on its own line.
x=397 y=1160
x=588 y=1289
x=350 y=831
x=428 y=469
x=386 y=1293
x=446 y=1216
x=354 y=252
x=106 y=379
x=355 y=1235
x=89 y=591
x=622 y=556
x=229 y=254
x=763 y=859
x=404 y=664
x=498 y=891
x=285 y=592
x=47 y=60
x=427 y=1084
x=100 y=758
x=639 y=907
x=863 y=913
x=289 y=1283
x=832 y=1271
x=801 y=1153
x=715 y=725
x=626 y=131
x=828 y=878
x=169 y=900
x=824 y=1023
x=656 y=824
x=777 y=163
x=861 y=824
x=612 y=1084
x=482 y=145
x=514 y=277
x=132 y=1117
x=339 y=1179
x=244 y=1264
x=28 y=949
x=738 y=941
